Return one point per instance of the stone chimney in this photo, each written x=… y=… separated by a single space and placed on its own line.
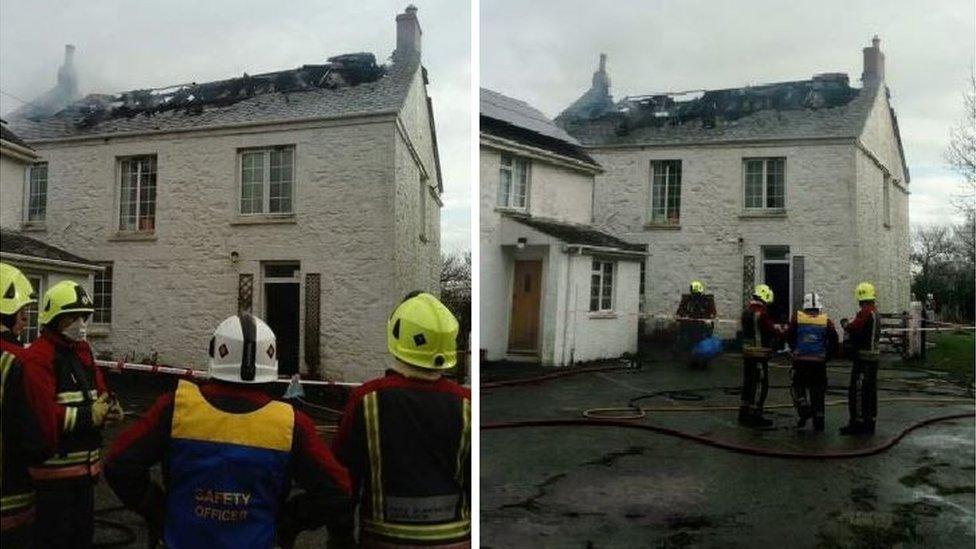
x=874 y=64
x=408 y=32
x=67 y=77
x=600 y=78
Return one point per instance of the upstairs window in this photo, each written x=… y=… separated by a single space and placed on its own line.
x=666 y=191
x=267 y=181
x=37 y=193
x=513 y=183
x=601 y=286
x=137 y=198
x=765 y=183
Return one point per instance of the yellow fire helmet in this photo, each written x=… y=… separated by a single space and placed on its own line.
x=15 y=290
x=422 y=332
x=697 y=287
x=764 y=293
x=864 y=292
x=64 y=297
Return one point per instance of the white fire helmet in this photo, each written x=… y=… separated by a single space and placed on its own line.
x=243 y=350
x=812 y=301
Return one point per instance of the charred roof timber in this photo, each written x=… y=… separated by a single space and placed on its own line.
x=340 y=71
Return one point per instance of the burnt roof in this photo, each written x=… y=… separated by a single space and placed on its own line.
x=518 y=121
x=822 y=107
x=572 y=233
x=15 y=242
x=346 y=85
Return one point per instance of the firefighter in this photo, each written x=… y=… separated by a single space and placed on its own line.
x=862 y=394
x=229 y=454
x=406 y=437
x=695 y=313
x=20 y=443
x=813 y=338
x=759 y=334
x=70 y=404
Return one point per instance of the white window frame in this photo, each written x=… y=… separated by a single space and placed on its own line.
x=120 y=162
x=765 y=183
x=671 y=185
x=265 y=180
x=38 y=282
x=29 y=194
x=505 y=200
x=598 y=275
x=95 y=294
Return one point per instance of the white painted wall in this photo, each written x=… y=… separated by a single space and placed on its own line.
x=170 y=292
x=13 y=177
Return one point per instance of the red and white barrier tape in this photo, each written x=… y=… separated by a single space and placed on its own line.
x=121 y=366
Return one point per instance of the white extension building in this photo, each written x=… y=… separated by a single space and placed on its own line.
x=310 y=197
x=554 y=288
x=800 y=185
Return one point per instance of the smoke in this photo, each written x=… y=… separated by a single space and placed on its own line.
x=64 y=93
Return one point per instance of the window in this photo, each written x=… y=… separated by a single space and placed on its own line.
x=33 y=327
x=513 y=183
x=666 y=191
x=102 y=296
x=137 y=198
x=267 y=180
x=601 y=286
x=887 y=200
x=37 y=193
x=765 y=183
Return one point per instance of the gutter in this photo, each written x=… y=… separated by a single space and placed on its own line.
x=51 y=262
x=19 y=152
x=581 y=248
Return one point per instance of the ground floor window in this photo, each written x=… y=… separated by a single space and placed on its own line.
x=33 y=328
x=601 y=286
x=102 y=296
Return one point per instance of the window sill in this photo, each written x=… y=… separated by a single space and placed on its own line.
x=763 y=214
x=102 y=330
x=509 y=209
x=264 y=219
x=133 y=236
x=602 y=315
x=33 y=227
x=659 y=226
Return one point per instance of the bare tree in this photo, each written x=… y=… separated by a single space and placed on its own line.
x=930 y=245
x=961 y=151
x=456 y=288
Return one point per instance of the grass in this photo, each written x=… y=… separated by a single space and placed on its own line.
x=954 y=353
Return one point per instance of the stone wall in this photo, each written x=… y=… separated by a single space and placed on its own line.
x=171 y=291
x=13 y=178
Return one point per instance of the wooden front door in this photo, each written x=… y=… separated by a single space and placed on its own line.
x=523 y=332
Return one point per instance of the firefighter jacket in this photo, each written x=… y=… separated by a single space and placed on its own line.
x=759 y=333
x=21 y=443
x=407 y=443
x=62 y=382
x=229 y=454
x=865 y=333
x=813 y=338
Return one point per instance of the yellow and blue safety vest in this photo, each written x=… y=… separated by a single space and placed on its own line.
x=228 y=472
x=811 y=336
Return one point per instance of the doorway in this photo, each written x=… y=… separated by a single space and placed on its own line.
x=282 y=291
x=776 y=275
x=523 y=333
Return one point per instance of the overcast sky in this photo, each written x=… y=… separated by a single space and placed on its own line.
x=545 y=52
x=125 y=45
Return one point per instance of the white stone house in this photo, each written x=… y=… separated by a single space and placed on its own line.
x=310 y=197
x=554 y=288
x=43 y=264
x=800 y=185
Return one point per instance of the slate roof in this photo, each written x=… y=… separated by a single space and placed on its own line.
x=7 y=135
x=518 y=121
x=15 y=242
x=284 y=96
x=572 y=233
x=822 y=107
